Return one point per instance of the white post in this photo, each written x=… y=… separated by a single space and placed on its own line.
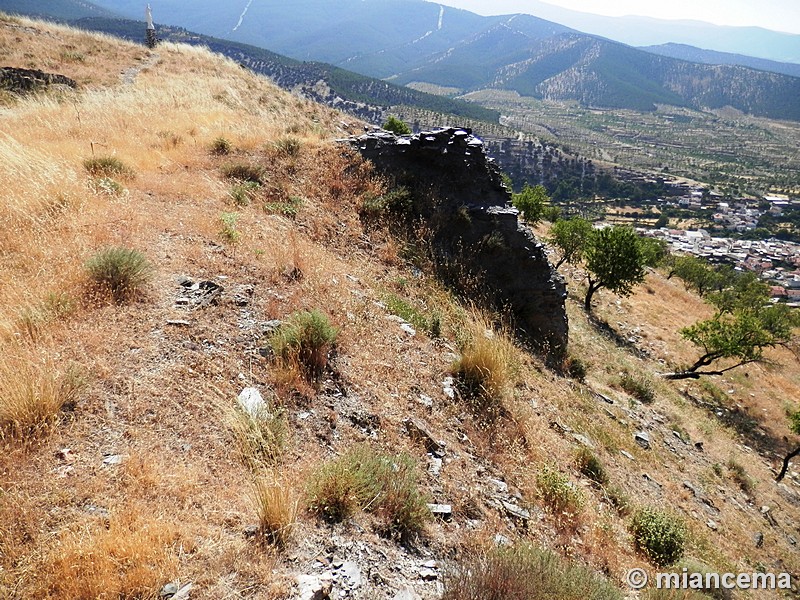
x=149 y=14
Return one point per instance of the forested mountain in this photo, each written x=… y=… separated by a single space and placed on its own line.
x=712 y=57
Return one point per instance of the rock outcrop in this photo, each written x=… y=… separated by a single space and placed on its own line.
x=459 y=194
x=26 y=81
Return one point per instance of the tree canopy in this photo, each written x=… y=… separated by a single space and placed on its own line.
x=396 y=126
x=744 y=325
x=569 y=236
x=614 y=260
x=531 y=202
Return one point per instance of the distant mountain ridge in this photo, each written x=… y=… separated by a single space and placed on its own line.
x=648 y=31
x=418 y=42
x=62 y=10
x=712 y=57
x=413 y=41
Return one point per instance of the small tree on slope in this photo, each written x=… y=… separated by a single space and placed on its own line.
x=614 y=260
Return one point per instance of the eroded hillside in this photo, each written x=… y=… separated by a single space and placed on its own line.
x=128 y=464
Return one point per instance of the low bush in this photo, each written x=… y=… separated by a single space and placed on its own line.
x=558 y=493
x=363 y=479
x=396 y=126
x=243 y=193
x=430 y=323
x=107 y=166
x=660 y=535
x=244 y=172
x=398 y=201
x=220 y=147
x=120 y=272
x=290 y=208
x=228 y=230
x=525 y=572
x=590 y=465
x=740 y=476
x=305 y=340
x=640 y=388
x=575 y=368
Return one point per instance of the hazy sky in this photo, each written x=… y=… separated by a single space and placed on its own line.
x=780 y=15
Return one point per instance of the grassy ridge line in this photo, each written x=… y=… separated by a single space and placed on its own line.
x=289 y=72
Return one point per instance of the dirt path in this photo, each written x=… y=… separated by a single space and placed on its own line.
x=128 y=76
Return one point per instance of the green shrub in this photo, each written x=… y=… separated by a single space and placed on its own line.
x=243 y=193
x=107 y=166
x=432 y=323
x=396 y=126
x=660 y=535
x=106 y=185
x=398 y=201
x=590 y=465
x=525 y=572
x=289 y=208
x=620 y=500
x=220 y=147
x=575 y=368
x=228 y=229
x=244 y=172
x=363 y=479
x=640 y=388
x=557 y=492
x=305 y=340
x=122 y=272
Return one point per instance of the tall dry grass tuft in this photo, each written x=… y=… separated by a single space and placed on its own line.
x=486 y=369
x=32 y=397
x=260 y=435
x=130 y=556
x=525 y=572
x=277 y=504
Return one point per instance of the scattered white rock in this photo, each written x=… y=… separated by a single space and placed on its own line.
x=252 y=402
x=448 y=387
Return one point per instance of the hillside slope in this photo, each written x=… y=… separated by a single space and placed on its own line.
x=126 y=471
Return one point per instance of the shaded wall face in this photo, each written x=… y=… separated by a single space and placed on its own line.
x=459 y=193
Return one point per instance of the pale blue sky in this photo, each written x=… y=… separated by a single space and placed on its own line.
x=779 y=15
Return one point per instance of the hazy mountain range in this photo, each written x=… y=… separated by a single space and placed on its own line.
x=646 y=31
x=412 y=41
x=712 y=57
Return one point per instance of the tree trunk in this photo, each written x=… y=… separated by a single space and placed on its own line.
x=786 y=462
x=593 y=287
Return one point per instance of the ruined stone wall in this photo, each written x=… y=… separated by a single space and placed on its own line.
x=22 y=81
x=468 y=210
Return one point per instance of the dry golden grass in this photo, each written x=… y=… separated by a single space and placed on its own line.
x=131 y=556
x=32 y=397
x=276 y=504
x=154 y=390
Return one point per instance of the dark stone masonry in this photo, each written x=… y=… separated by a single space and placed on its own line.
x=460 y=196
x=26 y=81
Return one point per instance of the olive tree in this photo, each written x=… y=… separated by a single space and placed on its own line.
x=569 y=236
x=744 y=325
x=531 y=202
x=614 y=260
